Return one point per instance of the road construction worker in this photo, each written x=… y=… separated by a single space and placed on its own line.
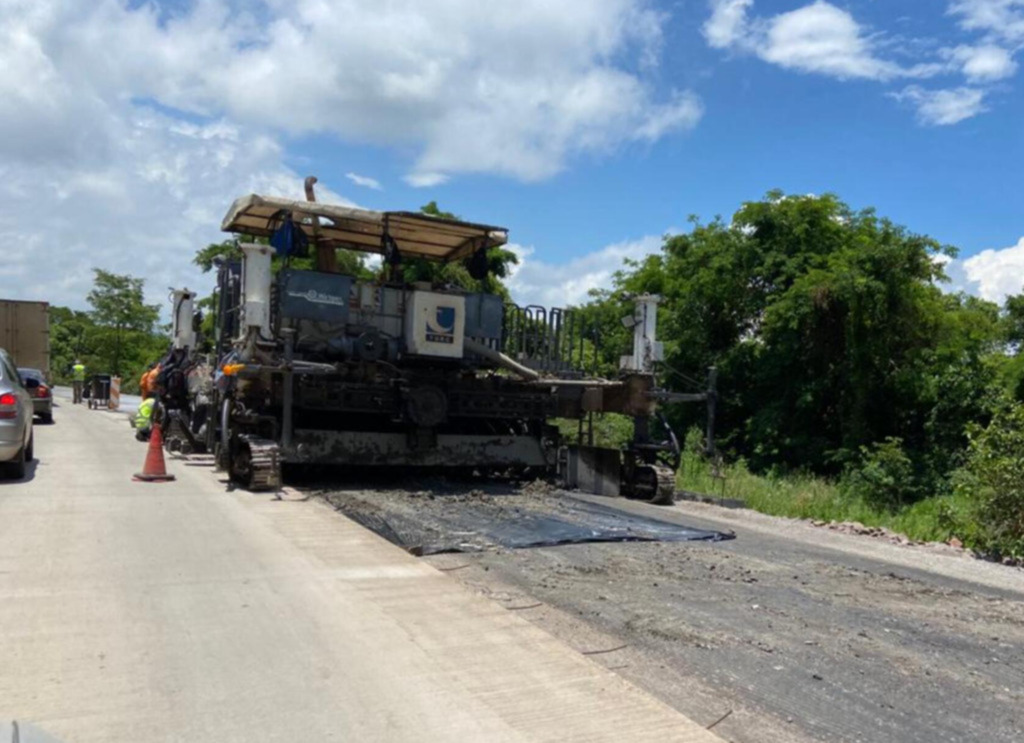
x=77 y=381
x=144 y=418
x=149 y=377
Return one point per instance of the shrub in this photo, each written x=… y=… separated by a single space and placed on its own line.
x=884 y=476
x=992 y=482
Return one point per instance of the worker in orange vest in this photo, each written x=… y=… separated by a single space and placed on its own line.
x=147 y=384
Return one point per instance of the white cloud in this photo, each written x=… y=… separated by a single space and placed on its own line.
x=990 y=274
x=727 y=25
x=818 y=38
x=158 y=197
x=1000 y=19
x=364 y=181
x=943 y=107
x=683 y=111
x=564 y=80
x=128 y=127
x=471 y=87
x=425 y=180
x=824 y=39
x=983 y=63
x=537 y=281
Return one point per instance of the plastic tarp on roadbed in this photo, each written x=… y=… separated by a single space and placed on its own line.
x=435 y=524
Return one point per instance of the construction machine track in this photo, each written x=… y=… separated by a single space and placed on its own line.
x=654 y=483
x=666 y=493
x=256 y=464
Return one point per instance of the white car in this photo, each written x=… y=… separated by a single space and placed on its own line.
x=16 y=410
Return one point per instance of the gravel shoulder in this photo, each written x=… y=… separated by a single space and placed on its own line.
x=798 y=633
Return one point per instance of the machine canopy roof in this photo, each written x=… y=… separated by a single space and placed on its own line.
x=415 y=235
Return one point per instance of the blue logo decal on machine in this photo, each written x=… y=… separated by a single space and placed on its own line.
x=442 y=329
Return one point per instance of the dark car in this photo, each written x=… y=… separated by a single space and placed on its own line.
x=42 y=396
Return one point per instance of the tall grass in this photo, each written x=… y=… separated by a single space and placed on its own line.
x=794 y=495
x=809 y=497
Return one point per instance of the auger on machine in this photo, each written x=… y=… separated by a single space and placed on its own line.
x=320 y=367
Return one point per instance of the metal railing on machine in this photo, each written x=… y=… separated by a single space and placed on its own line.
x=554 y=340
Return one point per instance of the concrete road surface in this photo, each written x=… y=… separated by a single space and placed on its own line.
x=182 y=612
x=129 y=405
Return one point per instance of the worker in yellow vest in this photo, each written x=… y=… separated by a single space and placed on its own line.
x=144 y=418
x=77 y=381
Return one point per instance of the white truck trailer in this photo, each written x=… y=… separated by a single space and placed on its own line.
x=25 y=333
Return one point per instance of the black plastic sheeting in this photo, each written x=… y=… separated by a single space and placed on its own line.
x=472 y=527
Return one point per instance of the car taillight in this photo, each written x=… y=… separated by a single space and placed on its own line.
x=8 y=405
x=42 y=391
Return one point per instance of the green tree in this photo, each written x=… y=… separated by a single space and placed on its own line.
x=829 y=331
x=119 y=309
x=499 y=265
x=70 y=338
x=1013 y=320
x=1012 y=362
x=350 y=262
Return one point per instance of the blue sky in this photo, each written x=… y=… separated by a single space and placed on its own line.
x=589 y=128
x=763 y=128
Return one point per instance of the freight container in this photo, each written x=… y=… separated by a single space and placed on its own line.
x=25 y=333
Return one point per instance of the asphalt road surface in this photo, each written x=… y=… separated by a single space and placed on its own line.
x=796 y=633
x=185 y=612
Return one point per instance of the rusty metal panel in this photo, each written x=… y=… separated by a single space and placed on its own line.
x=632 y=396
x=592 y=469
x=593 y=399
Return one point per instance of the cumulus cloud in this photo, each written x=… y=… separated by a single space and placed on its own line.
x=943 y=107
x=727 y=25
x=562 y=81
x=364 y=181
x=818 y=38
x=983 y=63
x=157 y=197
x=1000 y=19
x=425 y=180
x=990 y=274
x=128 y=127
x=539 y=281
x=824 y=39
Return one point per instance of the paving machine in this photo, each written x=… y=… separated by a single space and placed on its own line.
x=321 y=367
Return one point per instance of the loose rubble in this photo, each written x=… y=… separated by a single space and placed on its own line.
x=952 y=546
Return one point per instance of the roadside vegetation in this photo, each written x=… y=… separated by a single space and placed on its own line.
x=808 y=496
x=119 y=335
x=852 y=385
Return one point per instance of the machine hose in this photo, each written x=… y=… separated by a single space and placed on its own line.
x=501 y=360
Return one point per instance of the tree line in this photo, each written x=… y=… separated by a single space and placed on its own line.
x=119 y=335
x=841 y=353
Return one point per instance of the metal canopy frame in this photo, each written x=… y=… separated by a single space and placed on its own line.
x=416 y=235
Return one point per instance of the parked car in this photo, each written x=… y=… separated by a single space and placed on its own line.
x=42 y=396
x=16 y=412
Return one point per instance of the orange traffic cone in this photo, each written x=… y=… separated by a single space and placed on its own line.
x=154 y=469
